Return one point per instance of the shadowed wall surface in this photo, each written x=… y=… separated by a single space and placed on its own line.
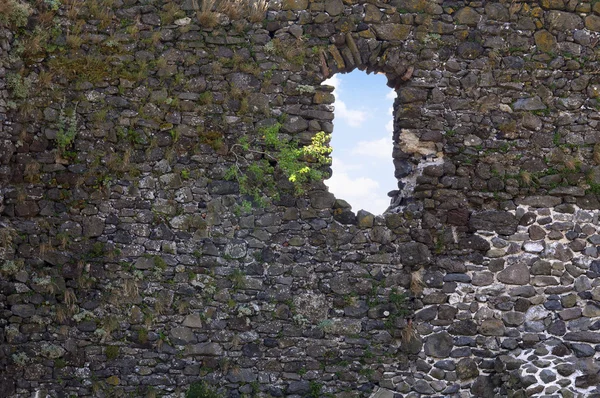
x=151 y=236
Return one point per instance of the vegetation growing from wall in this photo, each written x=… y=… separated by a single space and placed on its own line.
x=200 y=390
x=270 y=154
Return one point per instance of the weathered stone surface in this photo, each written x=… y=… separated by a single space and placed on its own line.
x=415 y=254
x=545 y=41
x=209 y=349
x=516 y=274
x=392 y=32
x=497 y=12
x=438 y=345
x=422 y=387
x=592 y=22
x=242 y=376
x=193 y=321
x=466 y=369
x=585 y=336
x=412 y=94
x=562 y=21
x=591 y=311
x=298 y=387
x=475 y=243
x=27 y=208
x=483 y=387
x=23 y=310
x=492 y=327
x=182 y=335
x=312 y=306
x=513 y=318
x=92 y=226
x=334 y=7
x=502 y=222
x=467 y=16
x=529 y=104
x=470 y=50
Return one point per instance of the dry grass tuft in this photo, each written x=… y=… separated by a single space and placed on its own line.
x=207 y=11
x=526 y=178
x=257 y=10
x=416 y=283
x=207 y=17
x=7 y=236
x=597 y=153
x=570 y=163
x=32 y=172
x=70 y=299
x=130 y=289
x=409 y=333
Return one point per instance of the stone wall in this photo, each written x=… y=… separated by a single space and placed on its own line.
x=134 y=265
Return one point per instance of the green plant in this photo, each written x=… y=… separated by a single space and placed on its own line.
x=594 y=189
x=315 y=390
x=10 y=267
x=19 y=85
x=238 y=279
x=21 y=359
x=142 y=336
x=130 y=135
x=556 y=139
x=200 y=390
x=67 y=127
x=399 y=301
x=112 y=352
x=257 y=178
x=54 y=5
x=206 y=98
x=212 y=138
x=14 y=13
x=97 y=250
x=541 y=112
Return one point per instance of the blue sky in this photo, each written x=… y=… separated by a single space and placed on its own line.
x=363 y=172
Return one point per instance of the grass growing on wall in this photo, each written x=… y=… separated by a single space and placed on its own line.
x=201 y=390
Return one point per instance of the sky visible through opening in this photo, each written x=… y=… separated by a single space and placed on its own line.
x=363 y=171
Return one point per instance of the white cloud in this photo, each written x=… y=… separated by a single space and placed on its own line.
x=339 y=165
x=354 y=117
x=362 y=193
x=389 y=126
x=381 y=148
x=391 y=95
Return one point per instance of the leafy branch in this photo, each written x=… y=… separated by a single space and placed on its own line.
x=254 y=169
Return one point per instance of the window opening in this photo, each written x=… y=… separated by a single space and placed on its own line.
x=363 y=171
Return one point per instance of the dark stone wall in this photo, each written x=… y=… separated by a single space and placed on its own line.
x=133 y=265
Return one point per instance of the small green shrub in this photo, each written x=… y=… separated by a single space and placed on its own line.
x=67 y=127
x=201 y=390
x=18 y=85
x=300 y=165
x=54 y=5
x=143 y=336
x=14 y=13
x=112 y=351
